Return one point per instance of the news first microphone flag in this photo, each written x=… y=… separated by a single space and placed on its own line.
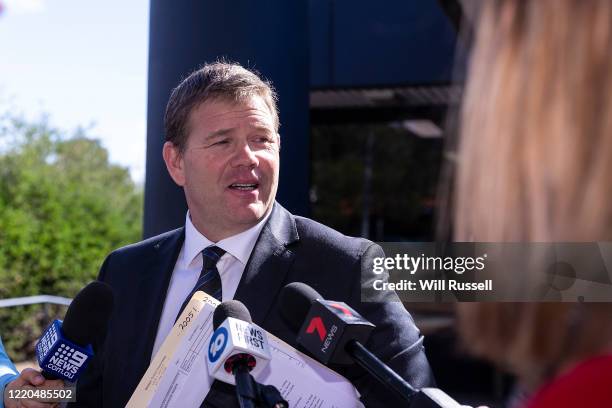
x=178 y=374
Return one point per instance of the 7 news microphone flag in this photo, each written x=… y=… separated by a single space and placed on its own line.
x=328 y=326
x=333 y=333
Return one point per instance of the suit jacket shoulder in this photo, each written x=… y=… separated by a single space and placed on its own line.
x=328 y=239
x=142 y=249
x=328 y=260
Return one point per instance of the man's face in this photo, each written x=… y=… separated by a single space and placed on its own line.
x=229 y=168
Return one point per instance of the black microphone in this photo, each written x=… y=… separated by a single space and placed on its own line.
x=238 y=349
x=334 y=333
x=65 y=348
x=325 y=328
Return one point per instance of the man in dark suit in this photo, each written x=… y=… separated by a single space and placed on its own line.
x=222 y=146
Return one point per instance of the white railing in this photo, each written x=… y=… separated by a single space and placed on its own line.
x=32 y=300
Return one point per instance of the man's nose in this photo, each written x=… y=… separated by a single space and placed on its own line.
x=244 y=156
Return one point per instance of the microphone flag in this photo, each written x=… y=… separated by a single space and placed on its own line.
x=327 y=328
x=58 y=355
x=231 y=339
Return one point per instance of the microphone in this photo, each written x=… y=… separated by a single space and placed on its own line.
x=334 y=333
x=238 y=349
x=64 y=349
x=328 y=326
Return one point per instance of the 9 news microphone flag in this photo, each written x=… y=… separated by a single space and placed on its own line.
x=65 y=348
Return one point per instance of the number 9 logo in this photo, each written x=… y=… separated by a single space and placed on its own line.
x=217 y=344
x=78 y=358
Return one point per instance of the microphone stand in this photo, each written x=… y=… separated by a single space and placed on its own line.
x=380 y=371
x=246 y=387
x=251 y=394
x=423 y=398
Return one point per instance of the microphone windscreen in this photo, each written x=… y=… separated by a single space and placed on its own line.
x=230 y=308
x=88 y=314
x=295 y=301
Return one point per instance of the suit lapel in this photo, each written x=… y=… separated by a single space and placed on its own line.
x=152 y=292
x=268 y=264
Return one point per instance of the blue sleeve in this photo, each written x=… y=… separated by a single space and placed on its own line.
x=8 y=372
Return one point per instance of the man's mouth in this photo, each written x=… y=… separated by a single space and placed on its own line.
x=244 y=186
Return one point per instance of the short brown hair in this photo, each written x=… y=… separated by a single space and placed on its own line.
x=534 y=164
x=219 y=80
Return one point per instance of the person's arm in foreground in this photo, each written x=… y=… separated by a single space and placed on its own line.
x=10 y=379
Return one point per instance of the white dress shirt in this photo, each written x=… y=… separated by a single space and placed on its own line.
x=188 y=265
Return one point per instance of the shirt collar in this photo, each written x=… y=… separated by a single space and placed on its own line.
x=239 y=246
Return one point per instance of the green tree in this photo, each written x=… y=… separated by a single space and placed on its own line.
x=63 y=208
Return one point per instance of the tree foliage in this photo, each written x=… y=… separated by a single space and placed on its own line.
x=63 y=208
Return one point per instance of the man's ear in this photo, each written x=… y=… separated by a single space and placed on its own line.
x=174 y=162
x=279 y=140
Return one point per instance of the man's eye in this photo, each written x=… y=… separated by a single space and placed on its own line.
x=220 y=142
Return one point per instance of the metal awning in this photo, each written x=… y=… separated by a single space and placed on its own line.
x=386 y=97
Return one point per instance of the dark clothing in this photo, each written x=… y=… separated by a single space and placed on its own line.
x=289 y=249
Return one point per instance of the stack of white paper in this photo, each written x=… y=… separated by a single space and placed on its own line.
x=178 y=375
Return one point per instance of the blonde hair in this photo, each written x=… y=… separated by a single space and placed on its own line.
x=535 y=164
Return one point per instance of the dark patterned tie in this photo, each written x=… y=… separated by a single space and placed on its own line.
x=209 y=280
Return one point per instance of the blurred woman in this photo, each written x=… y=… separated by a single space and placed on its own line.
x=535 y=164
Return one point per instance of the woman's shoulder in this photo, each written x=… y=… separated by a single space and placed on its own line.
x=587 y=384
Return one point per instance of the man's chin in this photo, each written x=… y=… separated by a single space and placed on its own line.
x=250 y=215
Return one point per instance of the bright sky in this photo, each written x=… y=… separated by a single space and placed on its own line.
x=82 y=63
